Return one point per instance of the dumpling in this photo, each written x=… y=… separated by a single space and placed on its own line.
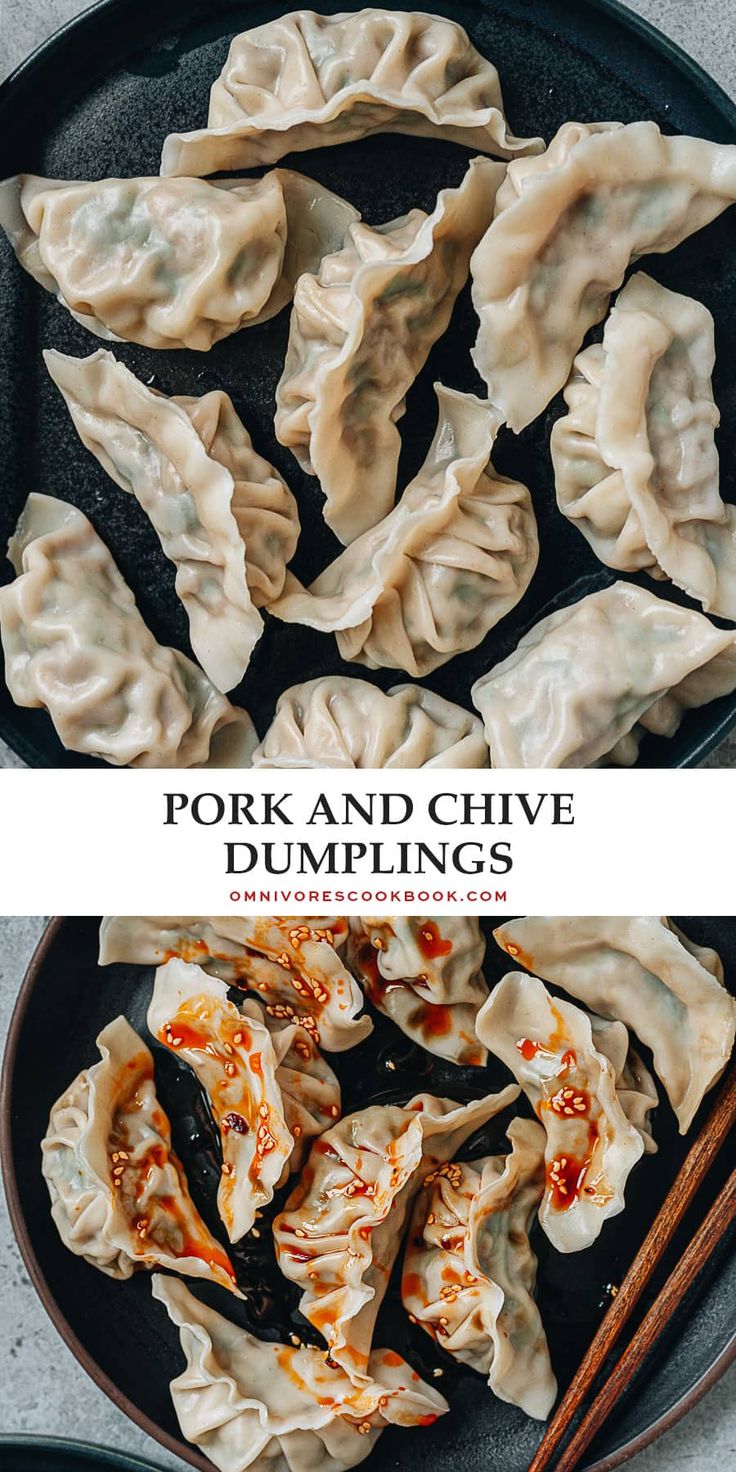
x=636 y=464
x=76 y=644
x=291 y=964
x=635 y=1087
x=245 y=1402
x=361 y=329
x=587 y=682
x=119 y=1195
x=310 y=81
x=310 y=1091
x=469 y=1270
x=171 y=263
x=591 y=1144
x=340 y=1232
x=425 y=974
x=644 y=971
x=336 y=721
x=567 y=225
x=234 y=1061
x=222 y=514
x=454 y=556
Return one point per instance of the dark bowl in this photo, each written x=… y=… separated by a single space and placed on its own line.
x=65 y=999
x=57 y=1454
x=98 y=99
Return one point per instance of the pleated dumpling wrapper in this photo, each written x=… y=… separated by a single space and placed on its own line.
x=310 y=1090
x=643 y=971
x=234 y=1060
x=591 y=1145
x=636 y=1090
x=361 y=329
x=567 y=225
x=76 y=644
x=171 y=263
x=245 y=1402
x=454 y=556
x=338 y=721
x=635 y=457
x=585 y=684
x=425 y=973
x=469 y=1270
x=291 y=964
x=223 y=515
x=341 y=1229
x=310 y=81
x=119 y=1195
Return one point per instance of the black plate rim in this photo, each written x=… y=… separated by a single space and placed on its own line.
x=85 y=1450
x=645 y=32
x=22 y=1233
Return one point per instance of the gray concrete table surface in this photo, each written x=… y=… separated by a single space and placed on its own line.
x=46 y=1391
x=704 y=28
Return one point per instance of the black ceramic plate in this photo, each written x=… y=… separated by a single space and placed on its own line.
x=52 y=1454
x=125 y=1340
x=99 y=99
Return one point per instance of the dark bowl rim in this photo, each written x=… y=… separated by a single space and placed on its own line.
x=644 y=31
x=86 y=1450
x=23 y=1238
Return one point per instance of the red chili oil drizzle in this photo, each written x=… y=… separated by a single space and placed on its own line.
x=431 y=943
x=203 y=1251
x=566 y=1182
x=566 y=1174
x=528 y=1048
x=178 y=1034
x=433 y=1020
x=181 y=1212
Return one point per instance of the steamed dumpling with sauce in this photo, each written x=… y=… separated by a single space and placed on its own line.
x=291 y=964
x=587 y=682
x=591 y=1146
x=222 y=514
x=361 y=329
x=119 y=1194
x=234 y=1060
x=641 y=970
x=469 y=1270
x=424 y=972
x=341 y=1229
x=336 y=721
x=76 y=644
x=636 y=464
x=310 y=81
x=247 y=1402
x=454 y=556
x=567 y=225
x=171 y=263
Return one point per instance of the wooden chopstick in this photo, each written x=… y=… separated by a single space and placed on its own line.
x=720 y=1217
x=690 y=1176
